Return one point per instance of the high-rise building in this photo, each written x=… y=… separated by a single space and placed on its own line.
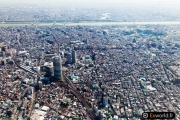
x=69 y=56
x=74 y=56
x=49 y=71
x=105 y=100
x=3 y=61
x=93 y=56
x=3 y=48
x=40 y=85
x=62 y=54
x=57 y=67
x=87 y=41
x=68 y=49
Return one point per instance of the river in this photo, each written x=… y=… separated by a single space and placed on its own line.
x=87 y=23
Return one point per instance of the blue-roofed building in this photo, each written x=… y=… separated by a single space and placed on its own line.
x=74 y=78
x=87 y=58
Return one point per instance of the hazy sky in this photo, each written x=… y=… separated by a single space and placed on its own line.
x=97 y=2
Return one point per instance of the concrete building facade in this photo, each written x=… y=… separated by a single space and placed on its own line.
x=57 y=67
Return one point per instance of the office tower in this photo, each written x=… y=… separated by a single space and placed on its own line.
x=40 y=85
x=31 y=90
x=87 y=41
x=74 y=56
x=93 y=56
x=49 y=71
x=100 y=115
x=3 y=61
x=57 y=67
x=105 y=101
x=62 y=54
x=3 y=54
x=68 y=49
x=69 y=58
x=4 y=48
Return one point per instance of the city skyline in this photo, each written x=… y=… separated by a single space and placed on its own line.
x=89 y=60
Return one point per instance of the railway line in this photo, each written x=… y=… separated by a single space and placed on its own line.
x=72 y=89
x=80 y=98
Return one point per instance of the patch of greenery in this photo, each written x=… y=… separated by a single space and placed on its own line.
x=64 y=104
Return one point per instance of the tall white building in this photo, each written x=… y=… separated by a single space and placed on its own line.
x=40 y=85
x=57 y=64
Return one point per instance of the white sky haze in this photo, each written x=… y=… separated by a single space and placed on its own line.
x=97 y=2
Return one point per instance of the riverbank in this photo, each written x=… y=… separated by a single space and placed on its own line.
x=87 y=23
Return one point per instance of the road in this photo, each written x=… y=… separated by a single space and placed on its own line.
x=32 y=103
x=15 y=114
